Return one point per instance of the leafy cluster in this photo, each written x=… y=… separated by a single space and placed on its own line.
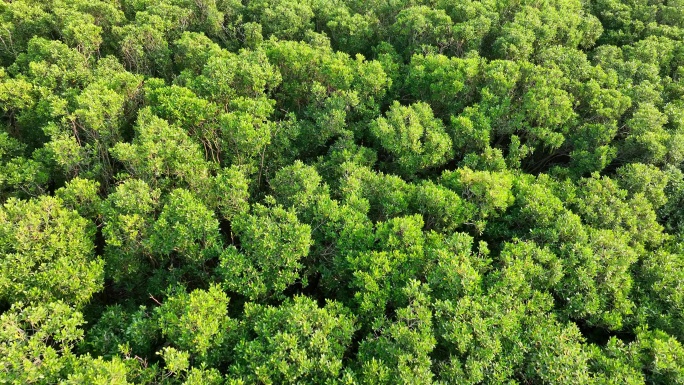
x=341 y=192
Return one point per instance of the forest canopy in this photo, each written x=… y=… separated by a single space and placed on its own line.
x=233 y=192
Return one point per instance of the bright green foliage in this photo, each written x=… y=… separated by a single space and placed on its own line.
x=144 y=233
x=348 y=31
x=341 y=192
x=399 y=257
x=203 y=377
x=193 y=50
x=304 y=67
x=675 y=192
x=597 y=285
x=592 y=152
x=37 y=342
x=229 y=192
x=470 y=130
x=286 y=19
x=179 y=105
x=386 y=195
x=197 y=322
x=97 y=371
x=489 y=193
x=184 y=227
x=16 y=94
x=448 y=84
x=421 y=28
x=128 y=216
x=639 y=178
x=603 y=204
x=21 y=21
x=296 y=342
x=97 y=118
x=297 y=186
x=486 y=331
x=661 y=357
x=246 y=131
x=53 y=65
x=413 y=137
x=399 y=352
x=272 y=245
x=617 y=363
x=647 y=138
x=661 y=299
x=456 y=269
x=18 y=176
x=177 y=361
x=79 y=29
x=442 y=209
x=81 y=195
x=226 y=76
x=162 y=155
x=560 y=357
x=47 y=253
x=143 y=46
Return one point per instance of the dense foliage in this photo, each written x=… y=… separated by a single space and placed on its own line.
x=341 y=192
